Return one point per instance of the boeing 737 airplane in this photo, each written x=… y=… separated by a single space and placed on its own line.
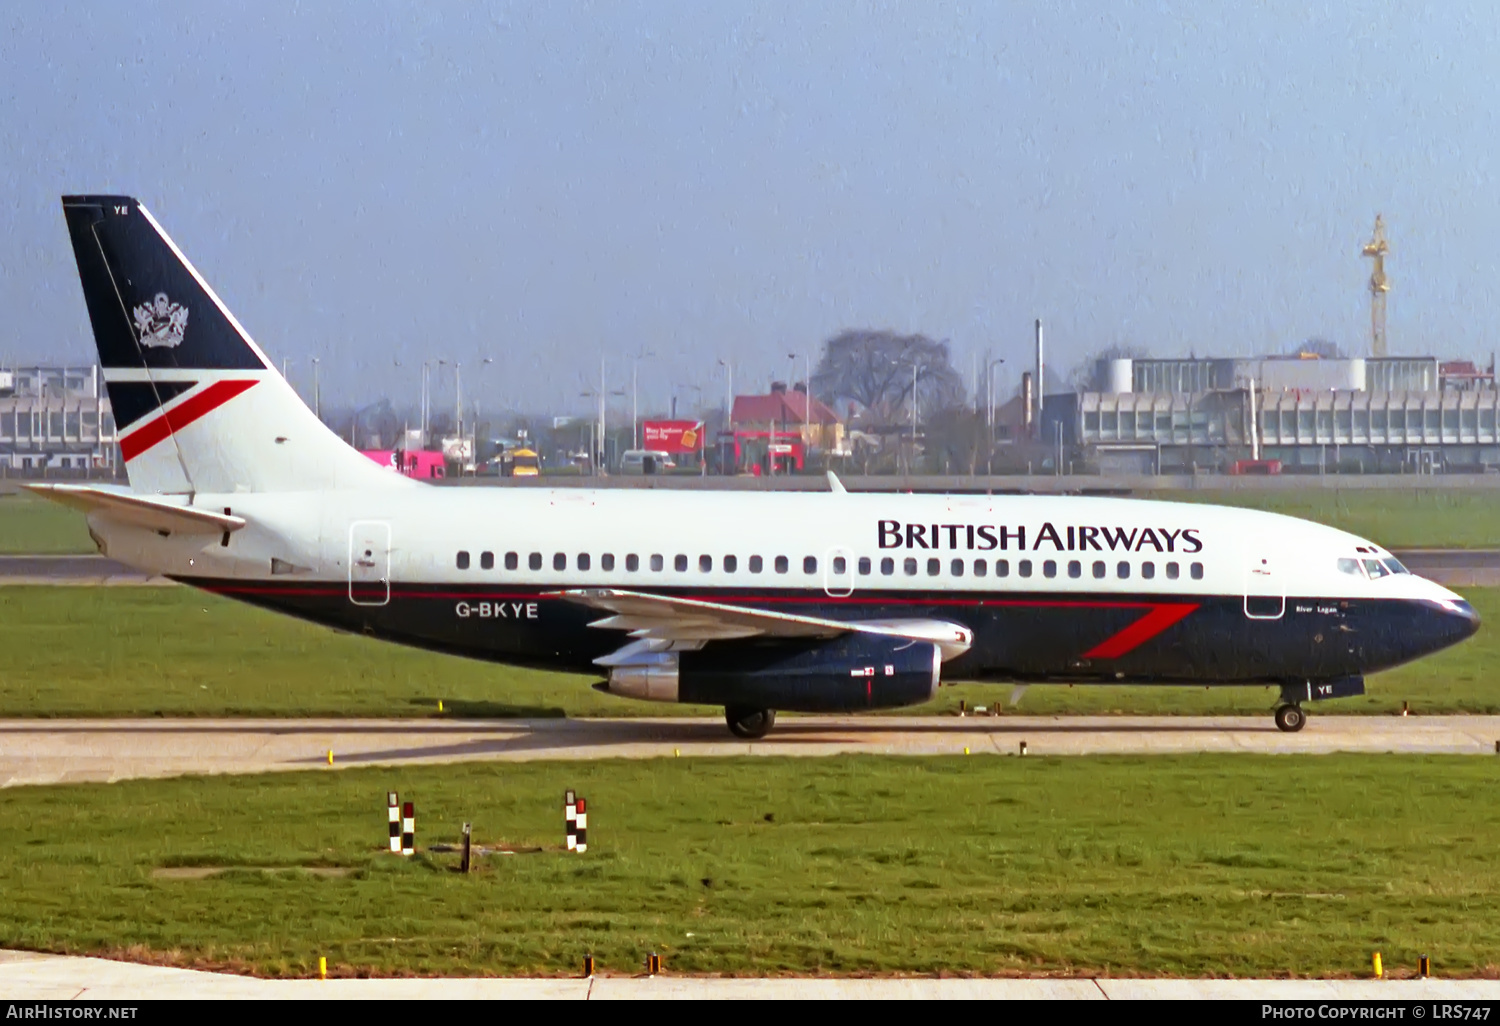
x=813 y=602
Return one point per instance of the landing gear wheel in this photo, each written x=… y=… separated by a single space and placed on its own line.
x=1290 y=718
x=750 y=724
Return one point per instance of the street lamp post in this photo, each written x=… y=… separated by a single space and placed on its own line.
x=989 y=413
x=597 y=458
x=635 y=369
x=728 y=366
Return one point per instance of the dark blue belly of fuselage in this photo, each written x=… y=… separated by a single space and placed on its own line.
x=1203 y=639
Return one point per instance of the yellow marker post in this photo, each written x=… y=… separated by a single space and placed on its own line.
x=322 y=967
x=966 y=749
x=330 y=756
x=678 y=751
x=440 y=705
x=1379 y=969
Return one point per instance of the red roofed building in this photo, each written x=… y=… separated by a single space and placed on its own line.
x=786 y=425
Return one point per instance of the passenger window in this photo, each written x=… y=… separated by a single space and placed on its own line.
x=1171 y=571
x=607 y=562
x=705 y=564
x=934 y=567
x=1197 y=571
x=1002 y=568
x=782 y=564
x=731 y=564
x=512 y=561
x=1148 y=570
x=809 y=564
x=864 y=566
x=583 y=561
x=1122 y=571
x=1374 y=567
x=1024 y=568
x=679 y=563
x=534 y=561
x=755 y=564
x=463 y=561
x=632 y=562
x=486 y=561
x=840 y=565
x=981 y=567
x=559 y=561
x=909 y=566
x=657 y=562
x=887 y=566
x=1049 y=568
x=957 y=568
x=1099 y=569
x=1350 y=567
x=1075 y=569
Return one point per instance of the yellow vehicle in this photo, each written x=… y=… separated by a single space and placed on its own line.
x=520 y=463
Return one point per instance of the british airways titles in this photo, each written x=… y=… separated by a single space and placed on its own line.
x=893 y=534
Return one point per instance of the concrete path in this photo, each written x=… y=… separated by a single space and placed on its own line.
x=25 y=976
x=71 y=569
x=54 y=751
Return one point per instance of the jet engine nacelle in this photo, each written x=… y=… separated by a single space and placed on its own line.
x=843 y=674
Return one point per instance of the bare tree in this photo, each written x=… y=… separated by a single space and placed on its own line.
x=875 y=369
x=1320 y=347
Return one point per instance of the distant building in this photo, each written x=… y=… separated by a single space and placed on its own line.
x=55 y=418
x=1300 y=414
x=784 y=426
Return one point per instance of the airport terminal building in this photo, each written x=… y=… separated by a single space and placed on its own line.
x=55 y=419
x=1283 y=414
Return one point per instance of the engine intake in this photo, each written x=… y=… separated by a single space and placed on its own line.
x=844 y=674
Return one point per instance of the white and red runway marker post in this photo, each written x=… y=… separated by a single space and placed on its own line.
x=576 y=822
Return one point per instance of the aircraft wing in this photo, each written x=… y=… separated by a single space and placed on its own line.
x=151 y=513
x=664 y=619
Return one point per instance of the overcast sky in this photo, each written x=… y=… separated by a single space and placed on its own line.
x=542 y=183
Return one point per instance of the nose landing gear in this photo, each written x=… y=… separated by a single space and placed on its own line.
x=1290 y=718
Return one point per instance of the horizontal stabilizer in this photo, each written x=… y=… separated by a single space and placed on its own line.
x=150 y=513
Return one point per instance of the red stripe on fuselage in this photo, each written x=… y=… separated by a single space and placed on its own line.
x=180 y=416
x=1140 y=632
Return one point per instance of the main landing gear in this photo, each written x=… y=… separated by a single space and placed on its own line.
x=750 y=724
x=1290 y=718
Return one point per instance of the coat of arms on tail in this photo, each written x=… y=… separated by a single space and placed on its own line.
x=161 y=322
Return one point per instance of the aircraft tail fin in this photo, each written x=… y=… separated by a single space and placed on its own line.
x=198 y=407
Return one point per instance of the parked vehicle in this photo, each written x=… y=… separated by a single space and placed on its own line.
x=645 y=461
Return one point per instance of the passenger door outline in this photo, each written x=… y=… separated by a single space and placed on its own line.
x=838 y=585
x=1265 y=587
x=370 y=562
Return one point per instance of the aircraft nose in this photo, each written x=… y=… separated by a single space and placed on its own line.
x=1461 y=618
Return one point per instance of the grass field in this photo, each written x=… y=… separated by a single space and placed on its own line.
x=79 y=651
x=1394 y=517
x=1397 y=518
x=1196 y=866
x=29 y=525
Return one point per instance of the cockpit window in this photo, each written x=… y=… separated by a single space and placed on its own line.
x=1349 y=566
x=1375 y=568
x=1394 y=566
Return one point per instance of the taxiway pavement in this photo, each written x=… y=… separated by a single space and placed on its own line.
x=61 y=751
x=27 y=976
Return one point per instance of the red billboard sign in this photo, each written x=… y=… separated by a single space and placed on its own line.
x=673 y=436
